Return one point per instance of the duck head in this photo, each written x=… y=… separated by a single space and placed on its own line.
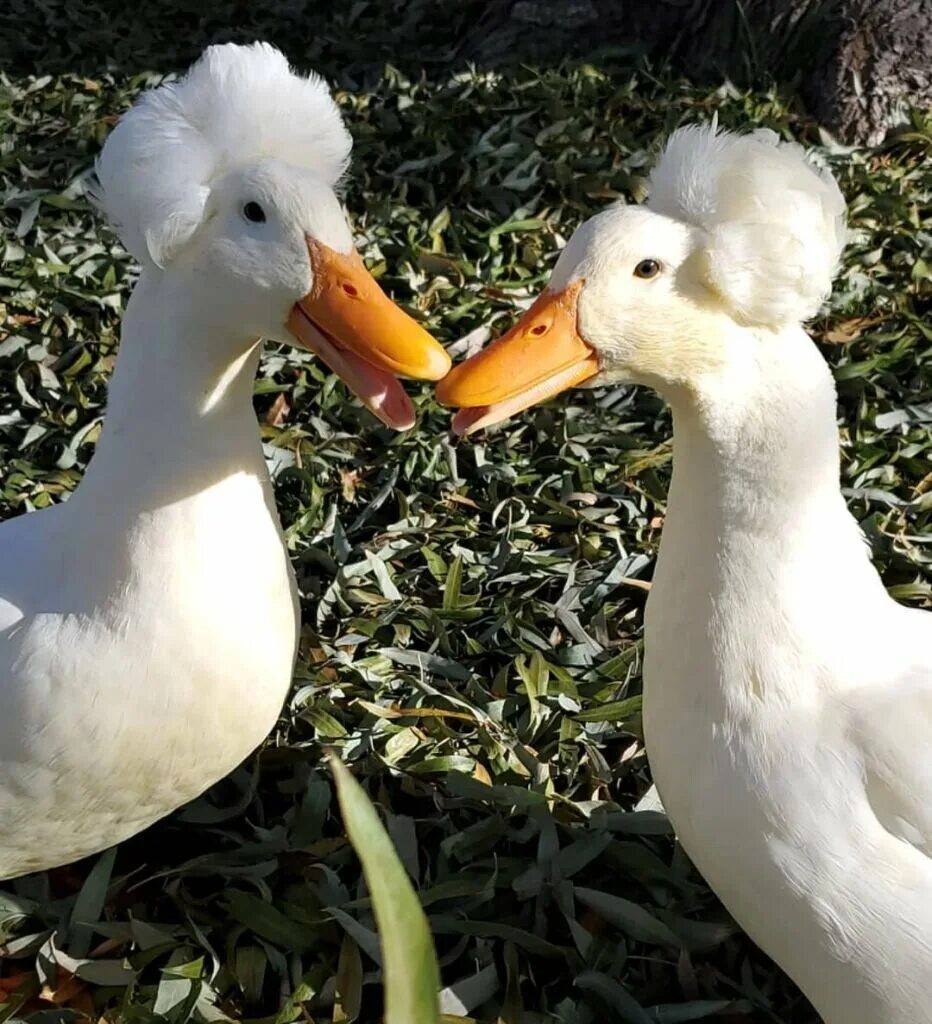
x=739 y=232
x=225 y=183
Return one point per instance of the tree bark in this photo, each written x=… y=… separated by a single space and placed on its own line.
x=881 y=65
x=858 y=64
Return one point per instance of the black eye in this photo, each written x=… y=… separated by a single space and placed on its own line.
x=647 y=269
x=254 y=213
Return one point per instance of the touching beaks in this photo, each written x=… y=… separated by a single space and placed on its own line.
x=542 y=355
x=352 y=325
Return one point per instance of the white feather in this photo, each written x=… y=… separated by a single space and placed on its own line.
x=234 y=107
x=775 y=223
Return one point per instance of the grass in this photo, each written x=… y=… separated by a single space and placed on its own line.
x=472 y=616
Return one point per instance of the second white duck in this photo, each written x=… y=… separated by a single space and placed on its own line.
x=787 y=698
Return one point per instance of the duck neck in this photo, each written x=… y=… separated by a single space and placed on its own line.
x=755 y=506
x=756 y=442
x=179 y=414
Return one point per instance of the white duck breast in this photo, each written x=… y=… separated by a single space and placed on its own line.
x=787 y=698
x=148 y=626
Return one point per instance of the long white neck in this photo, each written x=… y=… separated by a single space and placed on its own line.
x=179 y=416
x=758 y=547
x=756 y=443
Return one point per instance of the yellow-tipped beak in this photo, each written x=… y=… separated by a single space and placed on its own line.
x=542 y=355
x=363 y=336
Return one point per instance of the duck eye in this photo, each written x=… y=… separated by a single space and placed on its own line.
x=647 y=269
x=254 y=213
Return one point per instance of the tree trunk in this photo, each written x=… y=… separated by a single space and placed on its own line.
x=881 y=65
x=858 y=64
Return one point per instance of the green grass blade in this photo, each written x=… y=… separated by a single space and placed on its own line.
x=412 y=977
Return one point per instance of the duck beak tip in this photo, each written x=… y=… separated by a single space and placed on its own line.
x=542 y=355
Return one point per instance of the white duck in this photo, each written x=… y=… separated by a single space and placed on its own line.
x=787 y=698
x=148 y=626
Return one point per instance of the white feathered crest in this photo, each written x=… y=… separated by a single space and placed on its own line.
x=775 y=223
x=235 y=106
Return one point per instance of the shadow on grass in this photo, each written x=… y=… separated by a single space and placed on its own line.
x=350 y=41
x=342 y=40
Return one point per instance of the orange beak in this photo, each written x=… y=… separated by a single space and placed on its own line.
x=352 y=325
x=542 y=355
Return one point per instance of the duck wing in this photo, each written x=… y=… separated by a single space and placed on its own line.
x=893 y=729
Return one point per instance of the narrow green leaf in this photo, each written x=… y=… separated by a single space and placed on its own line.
x=451 y=590
x=412 y=976
x=614 y=711
x=622 y=1006
x=631 y=918
x=348 y=997
x=697 y=1009
x=89 y=905
x=270 y=923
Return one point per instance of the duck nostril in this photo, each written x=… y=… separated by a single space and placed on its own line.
x=539 y=330
x=350 y=290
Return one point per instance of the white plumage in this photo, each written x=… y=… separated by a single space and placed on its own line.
x=787 y=698
x=236 y=106
x=774 y=222
x=148 y=626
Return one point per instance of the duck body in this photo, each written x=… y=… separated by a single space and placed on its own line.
x=787 y=698
x=148 y=626
x=789 y=728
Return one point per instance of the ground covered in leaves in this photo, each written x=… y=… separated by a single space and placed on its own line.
x=472 y=611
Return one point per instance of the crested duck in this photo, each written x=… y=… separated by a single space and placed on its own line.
x=787 y=697
x=148 y=626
